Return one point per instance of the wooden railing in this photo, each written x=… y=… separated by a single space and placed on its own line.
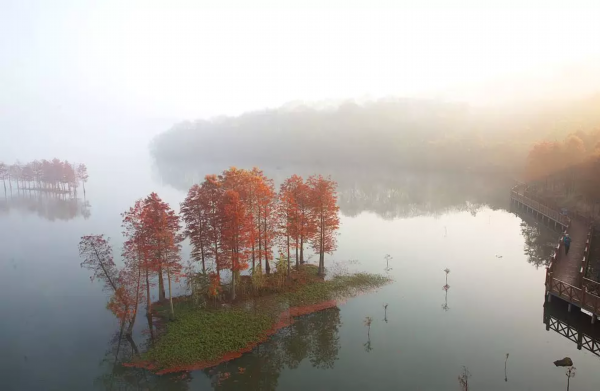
x=588 y=296
x=580 y=297
x=586 y=255
x=591 y=285
x=541 y=207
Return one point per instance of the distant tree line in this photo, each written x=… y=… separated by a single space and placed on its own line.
x=567 y=169
x=54 y=175
x=388 y=133
x=233 y=221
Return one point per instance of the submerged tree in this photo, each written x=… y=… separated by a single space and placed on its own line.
x=82 y=174
x=368 y=321
x=463 y=379
x=571 y=371
x=54 y=176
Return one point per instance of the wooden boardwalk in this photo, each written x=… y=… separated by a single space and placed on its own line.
x=566 y=273
x=567 y=267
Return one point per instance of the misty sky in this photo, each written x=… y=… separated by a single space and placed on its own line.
x=91 y=71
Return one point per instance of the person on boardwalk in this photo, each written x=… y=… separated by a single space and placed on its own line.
x=567 y=242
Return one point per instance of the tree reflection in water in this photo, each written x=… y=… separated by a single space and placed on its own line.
x=386 y=192
x=47 y=205
x=122 y=349
x=540 y=239
x=313 y=337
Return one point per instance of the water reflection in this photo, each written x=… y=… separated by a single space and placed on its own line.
x=47 y=205
x=313 y=337
x=540 y=239
x=389 y=194
x=122 y=349
x=575 y=325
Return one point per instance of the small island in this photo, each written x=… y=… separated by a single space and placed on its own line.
x=202 y=337
x=234 y=222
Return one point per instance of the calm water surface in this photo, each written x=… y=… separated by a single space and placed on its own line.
x=56 y=334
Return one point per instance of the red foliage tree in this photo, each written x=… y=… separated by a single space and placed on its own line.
x=125 y=284
x=135 y=253
x=97 y=257
x=212 y=189
x=161 y=229
x=303 y=224
x=135 y=248
x=267 y=199
x=324 y=211
x=236 y=236
x=195 y=213
x=257 y=194
x=288 y=218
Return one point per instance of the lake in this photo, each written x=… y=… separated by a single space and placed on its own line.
x=56 y=333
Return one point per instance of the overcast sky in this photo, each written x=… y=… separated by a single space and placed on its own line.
x=107 y=67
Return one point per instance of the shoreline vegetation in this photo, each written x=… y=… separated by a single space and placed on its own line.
x=205 y=336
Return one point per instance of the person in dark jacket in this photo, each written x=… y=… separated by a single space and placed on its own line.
x=567 y=242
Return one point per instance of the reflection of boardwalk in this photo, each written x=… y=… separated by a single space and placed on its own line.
x=573 y=325
x=565 y=276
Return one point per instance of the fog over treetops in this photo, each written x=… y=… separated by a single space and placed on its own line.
x=386 y=133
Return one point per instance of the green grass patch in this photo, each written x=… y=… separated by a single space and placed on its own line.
x=200 y=335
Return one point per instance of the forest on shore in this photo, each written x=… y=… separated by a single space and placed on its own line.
x=553 y=145
x=568 y=171
x=390 y=133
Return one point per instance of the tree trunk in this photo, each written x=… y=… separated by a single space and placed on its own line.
x=321 y=249
x=170 y=293
x=259 y=240
x=288 y=256
x=133 y=345
x=148 y=301
x=301 y=249
x=253 y=260
x=202 y=255
x=161 y=285
x=297 y=265
x=137 y=300
x=267 y=266
x=151 y=328
x=232 y=275
x=217 y=259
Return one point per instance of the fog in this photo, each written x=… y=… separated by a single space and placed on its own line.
x=86 y=80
